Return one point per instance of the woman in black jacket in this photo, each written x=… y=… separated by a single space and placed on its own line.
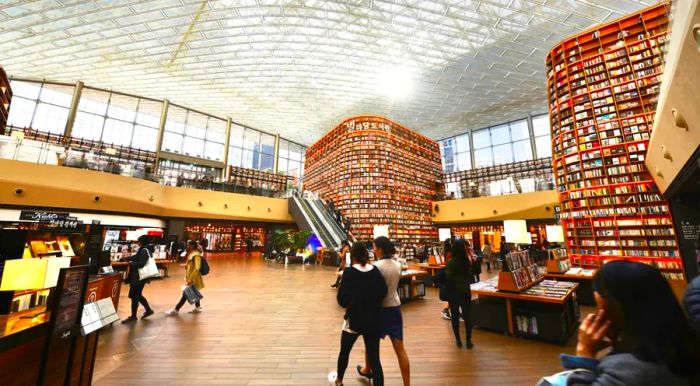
x=361 y=292
x=458 y=292
x=136 y=285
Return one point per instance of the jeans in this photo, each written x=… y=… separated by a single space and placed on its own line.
x=462 y=302
x=347 y=340
x=182 y=301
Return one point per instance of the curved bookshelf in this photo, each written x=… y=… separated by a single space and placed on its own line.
x=603 y=87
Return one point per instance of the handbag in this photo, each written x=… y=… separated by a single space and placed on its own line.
x=192 y=294
x=150 y=270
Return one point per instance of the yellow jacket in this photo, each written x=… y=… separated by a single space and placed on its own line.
x=192 y=274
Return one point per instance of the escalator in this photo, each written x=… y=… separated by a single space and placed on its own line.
x=329 y=219
x=307 y=219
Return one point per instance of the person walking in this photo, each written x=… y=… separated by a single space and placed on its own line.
x=475 y=263
x=341 y=256
x=458 y=291
x=192 y=277
x=391 y=319
x=136 y=285
x=361 y=293
x=488 y=255
x=447 y=250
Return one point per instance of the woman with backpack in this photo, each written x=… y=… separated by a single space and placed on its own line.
x=193 y=276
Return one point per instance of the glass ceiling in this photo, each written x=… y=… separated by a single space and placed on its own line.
x=298 y=67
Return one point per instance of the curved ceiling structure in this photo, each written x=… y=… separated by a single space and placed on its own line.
x=297 y=67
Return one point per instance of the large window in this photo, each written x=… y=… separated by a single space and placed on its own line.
x=291 y=160
x=194 y=134
x=40 y=106
x=117 y=119
x=501 y=144
x=543 y=136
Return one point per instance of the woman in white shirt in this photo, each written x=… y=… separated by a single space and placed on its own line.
x=390 y=316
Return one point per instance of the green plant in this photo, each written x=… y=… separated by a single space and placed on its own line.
x=281 y=239
x=299 y=238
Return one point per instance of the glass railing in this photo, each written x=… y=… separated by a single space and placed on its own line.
x=77 y=156
x=515 y=178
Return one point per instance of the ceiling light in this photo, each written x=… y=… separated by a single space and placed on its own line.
x=396 y=82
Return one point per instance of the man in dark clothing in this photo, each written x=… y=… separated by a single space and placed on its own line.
x=331 y=206
x=347 y=225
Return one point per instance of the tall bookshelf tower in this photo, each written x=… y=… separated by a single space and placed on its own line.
x=378 y=173
x=603 y=87
x=5 y=99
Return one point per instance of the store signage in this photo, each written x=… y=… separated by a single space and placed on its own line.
x=42 y=216
x=352 y=126
x=67 y=223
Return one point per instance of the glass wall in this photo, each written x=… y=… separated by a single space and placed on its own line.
x=496 y=145
x=117 y=119
x=291 y=160
x=112 y=118
x=250 y=148
x=43 y=107
x=543 y=135
x=194 y=134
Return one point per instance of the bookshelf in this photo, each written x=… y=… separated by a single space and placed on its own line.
x=5 y=99
x=558 y=261
x=378 y=173
x=475 y=182
x=257 y=179
x=603 y=88
x=522 y=272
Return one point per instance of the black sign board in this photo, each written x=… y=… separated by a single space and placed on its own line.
x=66 y=310
x=42 y=216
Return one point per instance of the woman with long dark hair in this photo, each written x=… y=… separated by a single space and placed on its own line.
x=391 y=318
x=361 y=293
x=447 y=250
x=638 y=315
x=459 y=293
x=136 y=285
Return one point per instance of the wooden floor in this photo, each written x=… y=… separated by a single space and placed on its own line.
x=267 y=324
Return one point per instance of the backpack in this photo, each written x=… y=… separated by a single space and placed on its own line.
x=204 y=266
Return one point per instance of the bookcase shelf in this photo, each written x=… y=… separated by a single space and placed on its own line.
x=603 y=87
x=378 y=173
x=5 y=99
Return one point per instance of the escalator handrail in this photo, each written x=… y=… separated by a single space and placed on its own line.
x=321 y=211
x=318 y=229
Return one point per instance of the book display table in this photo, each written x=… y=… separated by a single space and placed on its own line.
x=410 y=287
x=547 y=311
x=584 y=278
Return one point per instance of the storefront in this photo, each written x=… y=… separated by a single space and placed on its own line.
x=229 y=237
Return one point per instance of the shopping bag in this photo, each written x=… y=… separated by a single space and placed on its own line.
x=150 y=270
x=192 y=294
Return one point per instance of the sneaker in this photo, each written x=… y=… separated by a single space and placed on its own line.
x=332 y=377
x=172 y=312
x=129 y=319
x=446 y=314
x=196 y=310
x=147 y=314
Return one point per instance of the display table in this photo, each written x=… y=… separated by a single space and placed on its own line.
x=431 y=269
x=547 y=311
x=409 y=286
x=163 y=264
x=585 y=280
